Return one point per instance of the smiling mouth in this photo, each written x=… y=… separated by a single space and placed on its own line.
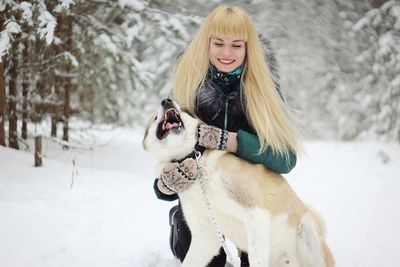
x=226 y=61
x=171 y=122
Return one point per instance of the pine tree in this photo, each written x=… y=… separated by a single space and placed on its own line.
x=13 y=94
x=379 y=59
x=3 y=101
x=3 y=104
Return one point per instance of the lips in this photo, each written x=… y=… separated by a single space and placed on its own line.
x=226 y=61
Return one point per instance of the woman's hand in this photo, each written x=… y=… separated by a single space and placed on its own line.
x=212 y=137
x=177 y=177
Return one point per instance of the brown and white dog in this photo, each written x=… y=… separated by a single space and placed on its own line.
x=254 y=207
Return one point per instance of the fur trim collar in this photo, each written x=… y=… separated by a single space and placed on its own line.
x=211 y=102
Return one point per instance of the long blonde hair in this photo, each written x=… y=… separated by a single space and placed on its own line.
x=264 y=108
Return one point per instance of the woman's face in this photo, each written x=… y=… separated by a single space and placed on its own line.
x=227 y=53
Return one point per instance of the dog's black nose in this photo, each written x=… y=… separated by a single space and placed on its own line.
x=166 y=102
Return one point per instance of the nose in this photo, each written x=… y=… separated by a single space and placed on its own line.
x=226 y=51
x=166 y=102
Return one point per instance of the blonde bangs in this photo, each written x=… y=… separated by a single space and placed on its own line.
x=231 y=22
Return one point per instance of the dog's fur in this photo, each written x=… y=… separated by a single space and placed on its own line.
x=254 y=207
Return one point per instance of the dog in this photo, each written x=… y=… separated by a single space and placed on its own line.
x=254 y=207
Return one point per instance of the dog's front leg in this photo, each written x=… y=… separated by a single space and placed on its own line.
x=258 y=227
x=203 y=248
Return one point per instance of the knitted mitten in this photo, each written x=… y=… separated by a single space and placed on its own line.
x=212 y=137
x=177 y=177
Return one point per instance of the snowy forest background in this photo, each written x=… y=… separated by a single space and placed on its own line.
x=85 y=75
x=102 y=61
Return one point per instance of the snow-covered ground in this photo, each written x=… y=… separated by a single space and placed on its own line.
x=111 y=217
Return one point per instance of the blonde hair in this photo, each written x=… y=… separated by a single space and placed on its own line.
x=264 y=107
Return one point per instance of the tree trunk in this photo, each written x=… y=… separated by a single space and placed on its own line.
x=376 y=3
x=67 y=85
x=3 y=104
x=55 y=117
x=25 y=91
x=53 y=125
x=12 y=102
x=38 y=151
x=3 y=101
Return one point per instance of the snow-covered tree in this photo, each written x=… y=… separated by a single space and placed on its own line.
x=378 y=92
x=127 y=48
x=98 y=60
x=111 y=61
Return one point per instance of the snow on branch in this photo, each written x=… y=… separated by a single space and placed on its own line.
x=12 y=28
x=4 y=3
x=134 y=4
x=47 y=24
x=105 y=41
x=63 y=5
x=26 y=12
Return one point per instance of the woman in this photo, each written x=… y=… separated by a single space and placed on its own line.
x=224 y=79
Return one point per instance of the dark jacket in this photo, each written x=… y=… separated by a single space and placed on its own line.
x=225 y=109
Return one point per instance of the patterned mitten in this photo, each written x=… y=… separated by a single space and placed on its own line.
x=177 y=177
x=212 y=137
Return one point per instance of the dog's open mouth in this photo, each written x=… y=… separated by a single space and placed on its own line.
x=171 y=122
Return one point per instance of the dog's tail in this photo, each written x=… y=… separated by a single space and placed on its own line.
x=312 y=248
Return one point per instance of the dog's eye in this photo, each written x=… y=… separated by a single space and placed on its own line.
x=155 y=116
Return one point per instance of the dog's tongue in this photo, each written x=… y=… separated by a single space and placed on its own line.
x=169 y=126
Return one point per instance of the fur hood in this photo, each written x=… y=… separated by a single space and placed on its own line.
x=272 y=63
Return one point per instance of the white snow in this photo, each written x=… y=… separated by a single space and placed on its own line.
x=386 y=44
x=47 y=25
x=63 y=5
x=134 y=4
x=105 y=41
x=111 y=217
x=12 y=28
x=26 y=12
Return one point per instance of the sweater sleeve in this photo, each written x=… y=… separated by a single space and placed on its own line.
x=248 y=147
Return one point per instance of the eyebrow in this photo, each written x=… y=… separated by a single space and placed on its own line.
x=223 y=40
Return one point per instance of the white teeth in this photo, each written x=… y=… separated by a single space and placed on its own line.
x=225 y=61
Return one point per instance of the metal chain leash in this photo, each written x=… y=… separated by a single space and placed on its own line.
x=217 y=229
